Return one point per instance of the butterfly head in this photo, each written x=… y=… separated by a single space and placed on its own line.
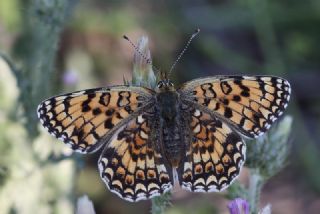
x=165 y=85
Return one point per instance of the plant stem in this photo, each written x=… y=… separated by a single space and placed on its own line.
x=43 y=22
x=160 y=203
x=255 y=186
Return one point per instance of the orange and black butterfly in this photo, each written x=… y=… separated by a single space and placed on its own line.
x=150 y=137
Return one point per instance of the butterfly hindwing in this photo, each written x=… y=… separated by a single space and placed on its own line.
x=214 y=156
x=250 y=104
x=85 y=119
x=132 y=165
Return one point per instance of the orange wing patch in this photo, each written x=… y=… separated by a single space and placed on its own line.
x=214 y=157
x=251 y=104
x=84 y=119
x=131 y=165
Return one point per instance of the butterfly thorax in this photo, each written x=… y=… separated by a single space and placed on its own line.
x=170 y=119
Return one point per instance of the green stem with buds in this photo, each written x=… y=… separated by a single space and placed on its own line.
x=143 y=75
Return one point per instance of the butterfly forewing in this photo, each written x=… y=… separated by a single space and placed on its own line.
x=85 y=119
x=214 y=156
x=250 y=104
x=132 y=165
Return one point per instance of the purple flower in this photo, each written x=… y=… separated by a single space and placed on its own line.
x=238 y=206
x=85 y=205
x=70 y=77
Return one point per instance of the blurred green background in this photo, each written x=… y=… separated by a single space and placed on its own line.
x=61 y=46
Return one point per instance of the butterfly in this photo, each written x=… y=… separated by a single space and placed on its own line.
x=153 y=139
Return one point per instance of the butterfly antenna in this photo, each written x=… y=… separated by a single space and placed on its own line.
x=148 y=60
x=184 y=50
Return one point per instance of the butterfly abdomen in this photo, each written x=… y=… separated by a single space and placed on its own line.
x=172 y=143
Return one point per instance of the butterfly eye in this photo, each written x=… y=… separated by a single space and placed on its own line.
x=170 y=83
x=160 y=84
